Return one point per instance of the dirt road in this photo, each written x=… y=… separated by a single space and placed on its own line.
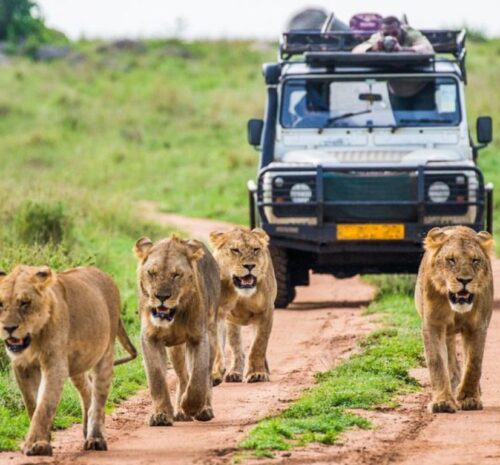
x=314 y=335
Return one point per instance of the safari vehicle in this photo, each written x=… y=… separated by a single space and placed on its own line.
x=362 y=154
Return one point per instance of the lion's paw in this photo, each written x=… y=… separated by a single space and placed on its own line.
x=257 y=377
x=206 y=414
x=471 y=403
x=95 y=444
x=233 y=377
x=160 y=419
x=444 y=406
x=217 y=379
x=38 y=448
x=182 y=416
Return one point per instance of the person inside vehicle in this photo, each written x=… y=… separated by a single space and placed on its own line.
x=395 y=37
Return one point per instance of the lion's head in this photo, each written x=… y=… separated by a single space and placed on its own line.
x=166 y=272
x=460 y=264
x=25 y=303
x=242 y=257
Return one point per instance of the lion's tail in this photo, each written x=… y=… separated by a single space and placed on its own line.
x=127 y=345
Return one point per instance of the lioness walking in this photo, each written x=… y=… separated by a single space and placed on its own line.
x=57 y=325
x=179 y=292
x=248 y=295
x=454 y=294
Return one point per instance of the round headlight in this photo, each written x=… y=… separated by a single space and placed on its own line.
x=300 y=193
x=439 y=192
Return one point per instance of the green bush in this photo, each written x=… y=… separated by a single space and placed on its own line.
x=43 y=223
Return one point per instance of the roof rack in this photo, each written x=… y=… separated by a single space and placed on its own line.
x=316 y=46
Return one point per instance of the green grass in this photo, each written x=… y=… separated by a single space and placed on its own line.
x=82 y=140
x=373 y=378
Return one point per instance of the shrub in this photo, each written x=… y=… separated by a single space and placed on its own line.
x=42 y=223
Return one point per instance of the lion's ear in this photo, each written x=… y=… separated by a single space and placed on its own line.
x=261 y=235
x=486 y=242
x=195 y=250
x=44 y=277
x=142 y=248
x=217 y=239
x=435 y=238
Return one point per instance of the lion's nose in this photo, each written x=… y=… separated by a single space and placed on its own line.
x=162 y=297
x=10 y=329
x=249 y=267
x=464 y=281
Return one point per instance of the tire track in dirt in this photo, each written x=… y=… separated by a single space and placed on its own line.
x=313 y=335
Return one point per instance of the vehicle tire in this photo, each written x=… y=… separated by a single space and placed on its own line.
x=286 y=291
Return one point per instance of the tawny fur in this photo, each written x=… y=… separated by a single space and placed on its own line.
x=73 y=319
x=186 y=274
x=233 y=250
x=453 y=254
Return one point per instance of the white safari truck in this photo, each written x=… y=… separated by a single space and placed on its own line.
x=362 y=154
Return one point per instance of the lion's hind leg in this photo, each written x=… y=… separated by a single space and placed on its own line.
x=82 y=384
x=101 y=383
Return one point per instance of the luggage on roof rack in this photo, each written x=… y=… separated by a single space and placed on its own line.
x=300 y=42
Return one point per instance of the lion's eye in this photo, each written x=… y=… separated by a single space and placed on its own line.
x=152 y=273
x=451 y=261
x=476 y=261
x=256 y=252
x=176 y=276
x=236 y=252
x=1 y=305
x=25 y=303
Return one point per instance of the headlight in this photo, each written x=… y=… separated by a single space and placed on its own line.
x=300 y=193
x=439 y=192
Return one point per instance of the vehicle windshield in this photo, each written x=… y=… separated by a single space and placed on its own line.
x=374 y=102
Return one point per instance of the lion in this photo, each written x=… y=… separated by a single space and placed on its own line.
x=454 y=294
x=60 y=325
x=179 y=294
x=248 y=294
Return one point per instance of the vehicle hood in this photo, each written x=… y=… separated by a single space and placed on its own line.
x=327 y=157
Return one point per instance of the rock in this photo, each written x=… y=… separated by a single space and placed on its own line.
x=52 y=52
x=123 y=44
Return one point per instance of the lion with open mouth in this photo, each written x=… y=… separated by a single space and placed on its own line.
x=60 y=325
x=454 y=294
x=248 y=294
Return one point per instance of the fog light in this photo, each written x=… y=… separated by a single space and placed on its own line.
x=300 y=193
x=439 y=192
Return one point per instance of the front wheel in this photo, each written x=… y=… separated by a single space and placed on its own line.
x=286 y=291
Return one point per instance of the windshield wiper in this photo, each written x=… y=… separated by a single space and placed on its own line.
x=426 y=120
x=333 y=119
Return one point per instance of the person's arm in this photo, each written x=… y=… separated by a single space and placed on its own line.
x=371 y=44
x=419 y=43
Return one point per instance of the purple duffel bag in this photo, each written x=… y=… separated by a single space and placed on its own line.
x=366 y=22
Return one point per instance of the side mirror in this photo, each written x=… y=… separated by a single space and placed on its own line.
x=484 y=129
x=254 y=131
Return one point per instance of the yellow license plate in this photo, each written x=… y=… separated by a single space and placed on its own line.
x=370 y=232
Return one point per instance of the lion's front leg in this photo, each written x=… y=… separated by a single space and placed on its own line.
x=235 y=374
x=468 y=391
x=156 y=371
x=257 y=369
x=177 y=356
x=28 y=380
x=194 y=400
x=38 y=438
x=437 y=362
x=219 y=366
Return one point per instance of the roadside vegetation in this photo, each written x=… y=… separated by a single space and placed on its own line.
x=85 y=137
x=372 y=378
